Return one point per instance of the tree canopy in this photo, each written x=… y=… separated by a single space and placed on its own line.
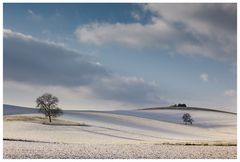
x=48 y=105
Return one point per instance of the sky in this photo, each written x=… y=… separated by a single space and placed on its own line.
x=121 y=56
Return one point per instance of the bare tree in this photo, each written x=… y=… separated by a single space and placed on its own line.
x=47 y=104
x=187 y=118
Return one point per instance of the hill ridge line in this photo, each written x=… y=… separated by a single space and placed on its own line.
x=186 y=108
x=151 y=108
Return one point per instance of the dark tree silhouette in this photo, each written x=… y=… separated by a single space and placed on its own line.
x=182 y=105
x=187 y=118
x=47 y=104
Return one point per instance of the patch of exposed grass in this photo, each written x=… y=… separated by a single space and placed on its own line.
x=23 y=118
x=41 y=120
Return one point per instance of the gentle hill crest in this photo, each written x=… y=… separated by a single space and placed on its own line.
x=186 y=108
x=14 y=109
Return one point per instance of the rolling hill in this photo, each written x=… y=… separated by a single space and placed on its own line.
x=156 y=125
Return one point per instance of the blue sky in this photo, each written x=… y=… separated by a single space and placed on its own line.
x=114 y=56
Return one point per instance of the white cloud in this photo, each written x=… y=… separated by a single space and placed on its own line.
x=7 y=33
x=132 y=35
x=30 y=11
x=230 y=93
x=206 y=30
x=136 y=15
x=204 y=77
x=34 y=16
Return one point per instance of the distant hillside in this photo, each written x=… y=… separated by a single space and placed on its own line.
x=13 y=110
x=186 y=108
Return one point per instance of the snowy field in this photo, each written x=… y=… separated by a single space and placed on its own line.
x=114 y=151
x=130 y=129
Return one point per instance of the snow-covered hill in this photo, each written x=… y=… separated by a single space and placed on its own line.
x=14 y=110
x=127 y=126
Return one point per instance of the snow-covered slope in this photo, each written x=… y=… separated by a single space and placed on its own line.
x=14 y=110
x=128 y=126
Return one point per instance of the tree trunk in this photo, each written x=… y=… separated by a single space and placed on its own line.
x=50 y=119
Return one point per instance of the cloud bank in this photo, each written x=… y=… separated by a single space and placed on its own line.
x=205 y=30
x=30 y=61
